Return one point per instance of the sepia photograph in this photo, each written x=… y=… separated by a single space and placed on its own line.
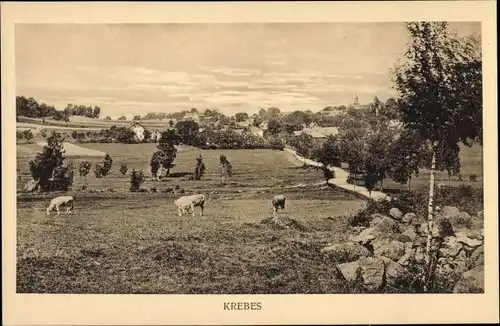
x=249 y=158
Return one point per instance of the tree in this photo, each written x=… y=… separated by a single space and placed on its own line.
x=407 y=155
x=188 y=131
x=137 y=117
x=241 y=116
x=97 y=112
x=329 y=152
x=352 y=146
x=273 y=112
x=47 y=167
x=137 y=178
x=147 y=135
x=125 y=135
x=28 y=135
x=122 y=118
x=102 y=170
x=107 y=118
x=440 y=90
x=123 y=169
x=376 y=158
x=262 y=113
x=199 y=169
x=274 y=127
x=166 y=152
x=303 y=144
x=74 y=134
x=84 y=170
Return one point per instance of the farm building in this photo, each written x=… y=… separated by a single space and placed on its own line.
x=138 y=129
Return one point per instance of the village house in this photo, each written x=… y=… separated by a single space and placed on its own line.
x=138 y=129
x=244 y=124
x=257 y=131
x=155 y=135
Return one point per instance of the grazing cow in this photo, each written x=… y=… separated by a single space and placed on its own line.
x=66 y=201
x=188 y=203
x=278 y=202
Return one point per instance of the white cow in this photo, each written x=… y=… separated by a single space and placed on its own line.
x=61 y=201
x=278 y=202
x=186 y=203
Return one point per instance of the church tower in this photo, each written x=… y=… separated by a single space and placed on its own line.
x=356 y=101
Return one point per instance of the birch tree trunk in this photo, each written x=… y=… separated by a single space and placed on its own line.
x=430 y=218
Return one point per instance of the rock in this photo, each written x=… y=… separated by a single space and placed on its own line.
x=410 y=233
x=477 y=256
x=377 y=218
x=349 y=270
x=394 y=272
x=404 y=260
x=420 y=254
x=345 y=252
x=459 y=264
x=451 y=247
x=395 y=213
x=444 y=228
x=405 y=238
x=384 y=225
x=463 y=238
x=408 y=217
x=471 y=281
x=449 y=211
x=31 y=185
x=393 y=250
x=372 y=272
x=362 y=238
x=461 y=220
x=419 y=242
x=475 y=234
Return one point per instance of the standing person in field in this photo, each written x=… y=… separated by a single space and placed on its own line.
x=226 y=168
x=199 y=170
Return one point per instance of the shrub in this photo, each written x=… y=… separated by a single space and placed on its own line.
x=123 y=169
x=473 y=178
x=137 y=178
x=276 y=143
x=363 y=217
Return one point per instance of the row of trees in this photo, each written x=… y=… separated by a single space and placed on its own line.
x=29 y=107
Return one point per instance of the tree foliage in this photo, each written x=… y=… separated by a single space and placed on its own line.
x=47 y=167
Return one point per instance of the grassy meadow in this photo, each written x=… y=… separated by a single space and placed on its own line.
x=122 y=242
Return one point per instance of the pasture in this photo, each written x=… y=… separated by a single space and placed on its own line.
x=122 y=242
x=135 y=242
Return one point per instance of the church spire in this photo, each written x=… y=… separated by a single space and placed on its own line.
x=356 y=102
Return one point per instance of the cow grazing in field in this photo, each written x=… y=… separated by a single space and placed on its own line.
x=66 y=201
x=186 y=203
x=278 y=202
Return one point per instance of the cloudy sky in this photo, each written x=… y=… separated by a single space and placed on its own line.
x=133 y=69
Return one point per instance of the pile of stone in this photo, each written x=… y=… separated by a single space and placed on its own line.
x=380 y=255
